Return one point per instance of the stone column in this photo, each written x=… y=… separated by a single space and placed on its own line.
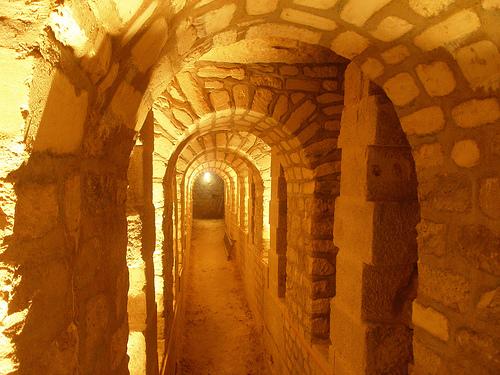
x=375 y=218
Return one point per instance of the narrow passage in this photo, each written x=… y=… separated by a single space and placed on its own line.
x=220 y=335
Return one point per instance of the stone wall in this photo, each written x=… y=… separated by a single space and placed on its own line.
x=208 y=197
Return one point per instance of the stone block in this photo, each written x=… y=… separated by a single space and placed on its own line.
x=373 y=68
x=384 y=349
x=371 y=122
x=437 y=78
x=146 y=51
x=317 y=4
x=431 y=321
x=444 y=286
x=392 y=28
x=303 y=85
x=358 y=12
x=378 y=233
x=37 y=210
x=261 y=100
x=349 y=44
x=193 y=93
x=465 y=153
x=395 y=55
x=446 y=192
x=428 y=156
x=220 y=100
x=429 y=8
x=221 y=72
x=374 y=293
x=455 y=27
x=474 y=113
x=480 y=63
x=379 y=174
x=258 y=7
x=424 y=121
x=308 y=19
x=401 y=89
x=277 y=30
x=431 y=238
x=61 y=127
x=299 y=116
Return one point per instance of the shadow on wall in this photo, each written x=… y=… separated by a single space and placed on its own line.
x=208 y=197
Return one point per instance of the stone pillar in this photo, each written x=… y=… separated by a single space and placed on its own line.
x=375 y=219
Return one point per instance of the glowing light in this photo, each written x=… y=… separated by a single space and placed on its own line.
x=207 y=177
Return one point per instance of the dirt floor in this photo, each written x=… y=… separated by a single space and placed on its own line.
x=220 y=335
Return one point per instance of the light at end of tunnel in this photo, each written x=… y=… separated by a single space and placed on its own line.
x=207 y=177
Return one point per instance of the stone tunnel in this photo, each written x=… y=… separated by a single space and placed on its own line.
x=268 y=187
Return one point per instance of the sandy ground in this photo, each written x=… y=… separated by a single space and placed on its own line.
x=220 y=335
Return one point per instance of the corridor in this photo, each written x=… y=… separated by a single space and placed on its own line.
x=220 y=336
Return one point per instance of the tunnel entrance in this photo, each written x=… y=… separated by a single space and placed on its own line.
x=208 y=197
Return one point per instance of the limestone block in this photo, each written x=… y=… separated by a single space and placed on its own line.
x=475 y=113
x=455 y=27
x=373 y=293
x=358 y=12
x=425 y=121
x=491 y=4
x=480 y=345
x=317 y=4
x=14 y=91
x=302 y=85
x=193 y=93
x=371 y=122
x=465 y=153
x=266 y=80
x=391 y=28
x=430 y=320
x=450 y=192
x=185 y=37
x=146 y=51
x=378 y=233
x=428 y=156
x=480 y=63
x=261 y=100
x=258 y=7
x=349 y=44
x=443 y=286
x=280 y=108
x=269 y=30
x=241 y=96
x=330 y=98
x=488 y=307
x=125 y=103
x=330 y=85
x=401 y=89
x=215 y=20
x=489 y=193
x=182 y=116
x=214 y=85
x=37 y=210
x=289 y=70
x=480 y=247
x=431 y=238
x=429 y=8
x=395 y=55
x=373 y=68
x=437 y=78
x=221 y=72
x=333 y=110
x=62 y=124
x=385 y=348
x=220 y=100
x=308 y=19
x=299 y=116
x=426 y=361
